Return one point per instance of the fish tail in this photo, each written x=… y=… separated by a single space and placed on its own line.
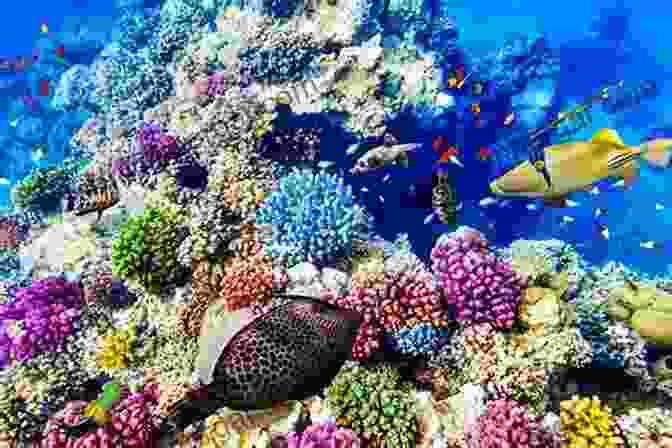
x=658 y=152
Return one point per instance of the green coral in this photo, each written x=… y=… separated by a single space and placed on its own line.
x=548 y=352
x=146 y=248
x=372 y=400
x=8 y=421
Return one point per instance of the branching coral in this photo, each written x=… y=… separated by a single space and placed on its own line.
x=244 y=280
x=372 y=401
x=314 y=218
x=483 y=288
x=401 y=299
x=146 y=249
x=41 y=317
x=587 y=423
x=507 y=424
x=114 y=350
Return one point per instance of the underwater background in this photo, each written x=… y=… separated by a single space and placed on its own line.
x=182 y=179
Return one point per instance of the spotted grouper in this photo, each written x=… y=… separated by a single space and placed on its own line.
x=255 y=363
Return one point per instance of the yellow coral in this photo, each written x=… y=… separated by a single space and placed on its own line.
x=587 y=423
x=114 y=350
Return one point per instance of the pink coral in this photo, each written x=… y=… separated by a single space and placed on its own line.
x=326 y=435
x=483 y=288
x=401 y=299
x=508 y=424
x=130 y=425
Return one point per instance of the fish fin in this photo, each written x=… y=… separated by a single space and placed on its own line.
x=558 y=202
x=630 y=173
x=658 y=152
x=607 y=136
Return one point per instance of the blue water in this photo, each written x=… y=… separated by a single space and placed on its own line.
x=630 y=42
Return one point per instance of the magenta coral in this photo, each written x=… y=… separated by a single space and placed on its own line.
x=508 y=424
x=483 y=288
x=130 y=425
x=403 y=299
x=325 y=435
x=41 y=317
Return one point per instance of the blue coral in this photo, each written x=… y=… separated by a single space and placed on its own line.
x=422 y=338
x=136 y=28
x=281 y=64
x=178 y=21
x=313 y=216
x=593 y=323
x=129 y=83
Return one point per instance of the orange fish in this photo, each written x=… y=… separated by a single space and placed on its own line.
x=508 y=120
x=44 y=87
x=485 y=153
x=476 y=108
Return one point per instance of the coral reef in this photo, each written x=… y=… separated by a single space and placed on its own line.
x=482 y=288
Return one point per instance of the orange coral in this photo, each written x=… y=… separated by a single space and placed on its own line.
x=243 y=280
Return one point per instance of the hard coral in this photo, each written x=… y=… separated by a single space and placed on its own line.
x=323 y=436
x=371 y=401
x=507 y=424
x=146 y=248
x=401 y=299
x=314 y=218
x=41 y=317
x=483 y=288
x=587 y=423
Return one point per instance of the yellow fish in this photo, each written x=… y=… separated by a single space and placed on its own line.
x=44 y=28
x=577 y=166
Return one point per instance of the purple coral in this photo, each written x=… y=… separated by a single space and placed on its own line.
x=156 y=145
x=483 y=288
x=40 y=318
x=325 y=435
x=152 y=150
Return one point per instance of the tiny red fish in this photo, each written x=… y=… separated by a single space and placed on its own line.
x=485 y=153
x=60 y=51
x=44 y=87
x=448 y=153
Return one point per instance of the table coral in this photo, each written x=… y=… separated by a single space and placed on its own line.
x=482 y=288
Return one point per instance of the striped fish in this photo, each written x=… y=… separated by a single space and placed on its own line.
x=619 y=160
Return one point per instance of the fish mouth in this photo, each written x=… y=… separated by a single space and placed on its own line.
x=495 y=189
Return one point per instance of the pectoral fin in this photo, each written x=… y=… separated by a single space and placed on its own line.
x=630 y=173
x=557 y=201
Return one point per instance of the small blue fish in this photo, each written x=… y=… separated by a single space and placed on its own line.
x=429 y=218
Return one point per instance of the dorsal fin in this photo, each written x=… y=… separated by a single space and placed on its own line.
x=609 y=137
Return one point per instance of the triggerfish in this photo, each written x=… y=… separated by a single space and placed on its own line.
x=577 y=166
